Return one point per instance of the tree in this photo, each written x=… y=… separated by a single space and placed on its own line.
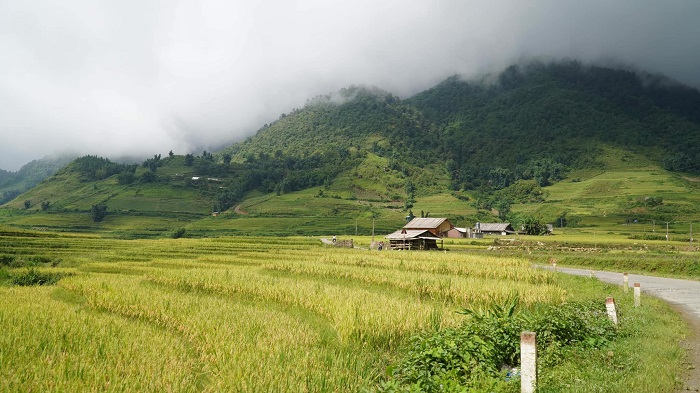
x=227 y=158
x=503 y=207
x=171 y=154
x=27 y=204
x=98 y=212
x=149 y=177
x=126 y=178
x=189 y=159
x=534 y=226
x=45 y=205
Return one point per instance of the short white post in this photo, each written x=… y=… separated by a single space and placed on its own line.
x=610 y=307
x=555 y=267
x=528 y=362
x=637 y=294
x=625 y=282
x=591 y=274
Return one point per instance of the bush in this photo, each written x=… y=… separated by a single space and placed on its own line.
x=478 y=354
x=33 y=277
x=98 y=212
x=178 y=233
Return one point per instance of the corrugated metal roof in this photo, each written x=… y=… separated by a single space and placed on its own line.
x=494 y=227
x=410 y=234
x=424 y=223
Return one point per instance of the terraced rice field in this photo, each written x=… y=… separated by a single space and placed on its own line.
x=232 y=314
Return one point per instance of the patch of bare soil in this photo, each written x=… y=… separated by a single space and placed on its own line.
x=239 y=210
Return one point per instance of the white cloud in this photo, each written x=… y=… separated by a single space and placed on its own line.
x=143 y=77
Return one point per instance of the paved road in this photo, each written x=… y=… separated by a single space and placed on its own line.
x=685 y=293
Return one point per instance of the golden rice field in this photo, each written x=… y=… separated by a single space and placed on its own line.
x=234 y=314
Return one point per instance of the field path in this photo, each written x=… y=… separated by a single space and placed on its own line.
x=683 y=294
x=239 y=210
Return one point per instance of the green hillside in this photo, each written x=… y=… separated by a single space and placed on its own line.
x=589 y=147
x=12 y=184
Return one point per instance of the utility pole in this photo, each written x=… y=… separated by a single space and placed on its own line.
x=666 y=230
x=372 y=229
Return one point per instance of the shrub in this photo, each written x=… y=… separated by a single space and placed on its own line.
x=32 y=277
x=178 y=233
x=478 y=354
x=7 y=260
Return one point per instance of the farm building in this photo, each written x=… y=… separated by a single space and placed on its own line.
x=413 y=239
x=420 y=234
x=437 y=226
x=497 y=228
x=458 y=233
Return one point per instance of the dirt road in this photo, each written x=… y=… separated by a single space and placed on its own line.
x=684 y=294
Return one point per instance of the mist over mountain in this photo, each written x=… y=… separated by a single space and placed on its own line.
x=135 y=78
x=468 y=148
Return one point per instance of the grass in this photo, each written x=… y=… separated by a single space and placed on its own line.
x=646 y=335
x=276 y=314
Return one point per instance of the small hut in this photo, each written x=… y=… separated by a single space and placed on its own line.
x=413 y=239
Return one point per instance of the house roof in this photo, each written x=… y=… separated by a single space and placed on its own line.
x=424 y=223
x=411 y=234
x=495 y=227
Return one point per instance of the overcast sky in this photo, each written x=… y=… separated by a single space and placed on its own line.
x=142 y=77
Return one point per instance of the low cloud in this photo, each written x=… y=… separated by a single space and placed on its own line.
x=145 y=77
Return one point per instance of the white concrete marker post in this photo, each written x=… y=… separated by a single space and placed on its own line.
x=610 y=307
x=528 y=362
x=637 y=294
x=555 y=267
x=625 y=282
x=591 y=274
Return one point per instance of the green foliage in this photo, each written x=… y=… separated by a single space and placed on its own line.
x=125 y=178
x=12 y=184
x=178 y=233
x=91 y=168
x=533 y=225
x=153 y=163
x=98 y=212
x=478 y=353
x=32 y=277
x=148 y=177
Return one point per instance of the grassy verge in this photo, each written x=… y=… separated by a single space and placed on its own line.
x=580 y=350
x=645 y=356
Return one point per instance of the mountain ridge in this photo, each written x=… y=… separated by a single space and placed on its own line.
x=364 y=152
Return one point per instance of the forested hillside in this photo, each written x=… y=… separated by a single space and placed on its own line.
x=537 y=121
x=13 y=184
x=471 y=149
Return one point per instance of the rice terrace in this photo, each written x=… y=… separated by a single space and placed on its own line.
x=291 y=314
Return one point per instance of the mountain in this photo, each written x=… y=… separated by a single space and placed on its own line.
x=563 y=113
x=487 y=149
x=13 y=184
